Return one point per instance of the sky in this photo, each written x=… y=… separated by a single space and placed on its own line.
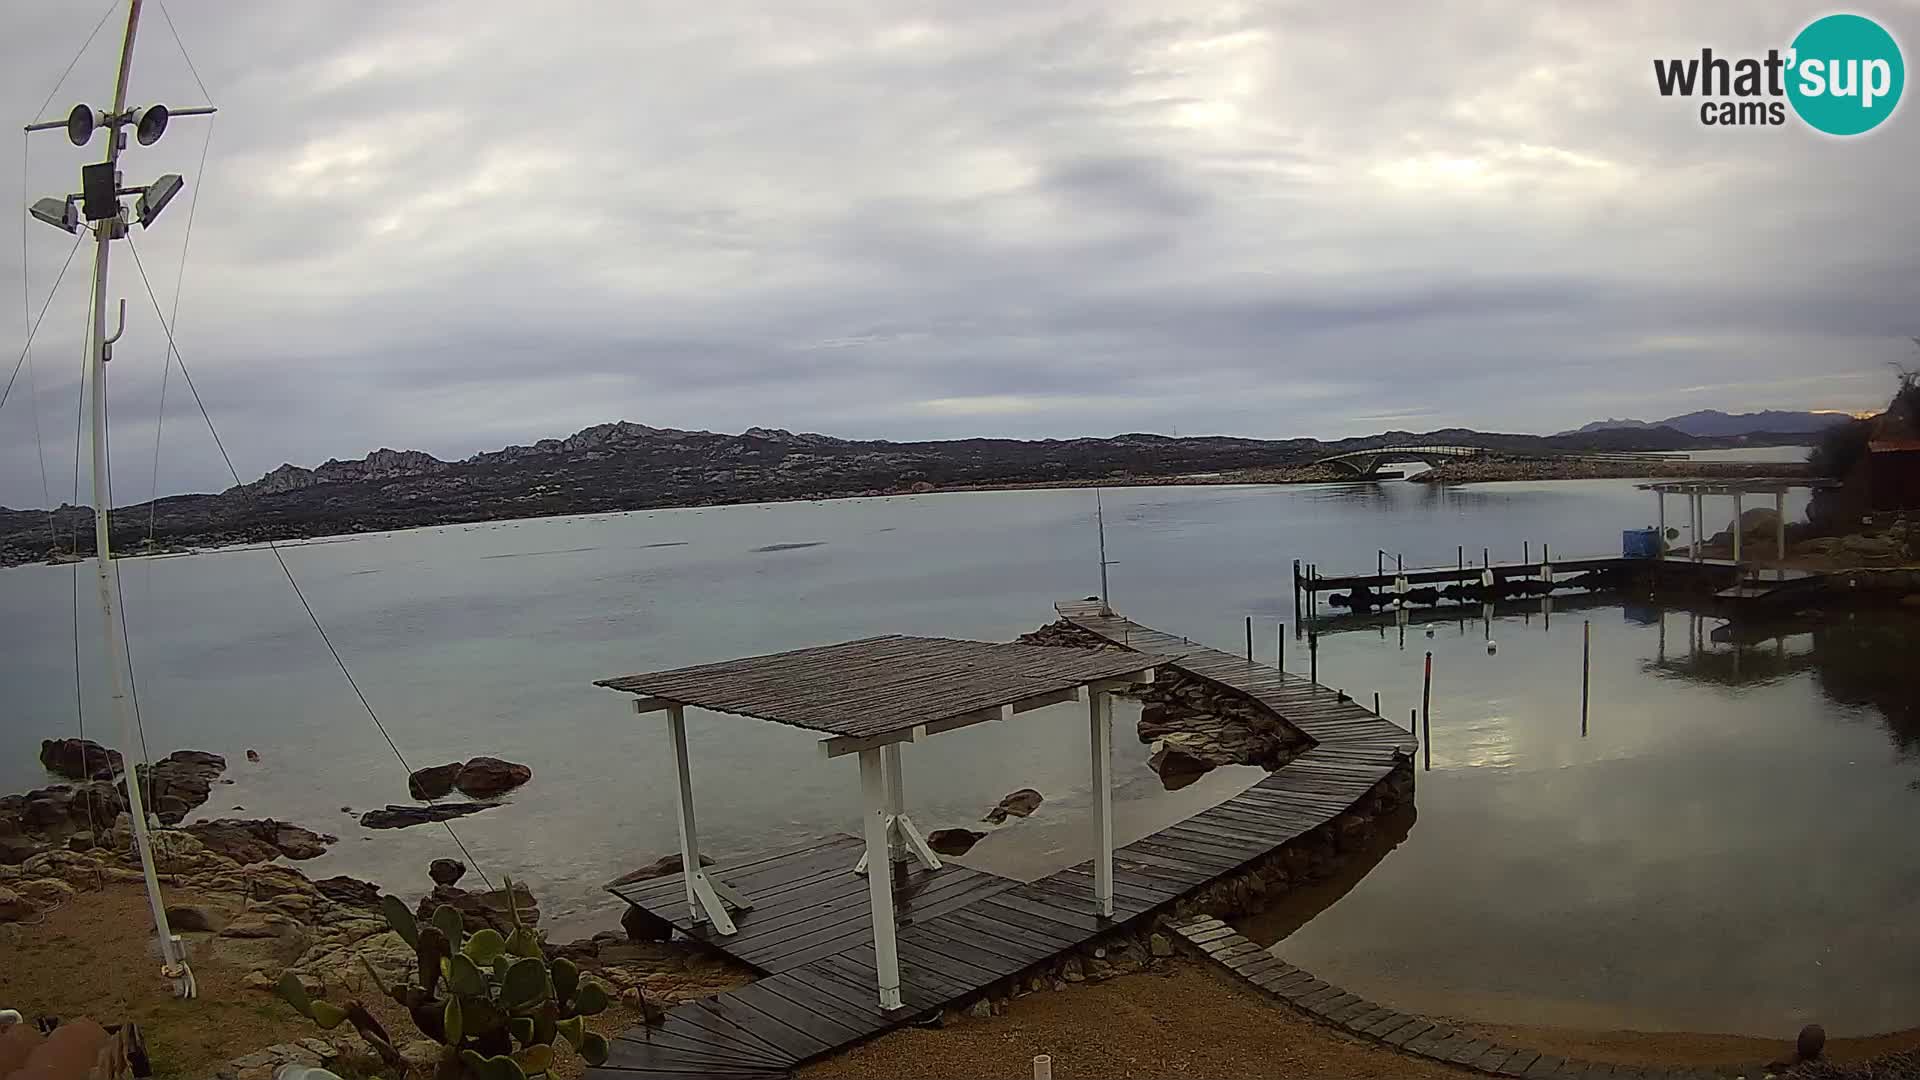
x=456 y=226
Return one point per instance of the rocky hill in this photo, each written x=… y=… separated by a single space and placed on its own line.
x=624 y=465
x=1771 y=424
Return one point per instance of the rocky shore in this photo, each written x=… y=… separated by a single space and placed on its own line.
x=1192 y=726
x=1494 y=468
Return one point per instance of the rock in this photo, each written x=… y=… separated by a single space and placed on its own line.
x=1813 y=1039
x=351 y=892
x=435 y=782
x=981 y=1009
x=446 y=871
x=195 y=917
x=253 y=755
x=45 y=892
x=341 y=965
x=660 y=867
x=258 y=980
x=263 y=840
x=643 y=925
x=14 y=907
x=953 y=841
x=176 y=852
x=401 y=817
x=422 y=1056
x=485 y=777
x=80 y=759
x=1160 y=945
x=1070 y=970
x=15 y=850
x=177 y=783
x=1170 y=757
x=1020 y=804
x=81 y=841
x=480 y=910
x=260 y=941
x=267 y=1064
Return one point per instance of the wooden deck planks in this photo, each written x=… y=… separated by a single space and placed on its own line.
x=962 y=930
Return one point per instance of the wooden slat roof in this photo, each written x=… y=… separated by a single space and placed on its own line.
x=880 y=685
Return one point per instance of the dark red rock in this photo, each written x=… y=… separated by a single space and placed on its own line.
x=953 y=841
x=350 y=891
x=401 y=817
x=259 y=841
x=484 y=777
x=434 y=783
x=80 y=759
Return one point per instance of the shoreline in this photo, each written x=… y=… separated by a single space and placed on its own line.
x=1492 y=469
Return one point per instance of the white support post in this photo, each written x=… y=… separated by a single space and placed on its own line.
x=873 y=795
x=703 y=901
x=896 y=799
x=1099 y=720
x=1693 y=508
x=1737 y=530
x=1780 y=526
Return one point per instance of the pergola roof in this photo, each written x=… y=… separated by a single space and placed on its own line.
x=883 y=685
x=1730 y=485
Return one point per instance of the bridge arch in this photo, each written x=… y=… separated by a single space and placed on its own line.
x=1364 y=463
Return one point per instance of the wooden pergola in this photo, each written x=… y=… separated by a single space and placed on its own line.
x=1697 y=491
x=867 y=698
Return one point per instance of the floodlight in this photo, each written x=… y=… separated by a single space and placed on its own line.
x=57 y=213
x=149 y=124
x=80 y=125
x=156 y=197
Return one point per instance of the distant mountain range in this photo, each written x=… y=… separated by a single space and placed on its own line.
x=1712 y=423
x=628 y=466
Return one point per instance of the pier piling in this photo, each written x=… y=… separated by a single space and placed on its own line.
x=1249 y=639
x=1426 y=713
x=1586 y=665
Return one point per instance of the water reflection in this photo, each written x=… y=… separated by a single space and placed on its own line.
x=1728 y=847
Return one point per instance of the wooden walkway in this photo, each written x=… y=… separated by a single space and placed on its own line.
x=961 y=931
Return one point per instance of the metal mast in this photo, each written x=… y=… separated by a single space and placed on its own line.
x=100 y=203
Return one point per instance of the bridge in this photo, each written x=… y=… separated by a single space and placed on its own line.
x=1367 y=462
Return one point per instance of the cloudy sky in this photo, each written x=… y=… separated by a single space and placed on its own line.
x=452 y=226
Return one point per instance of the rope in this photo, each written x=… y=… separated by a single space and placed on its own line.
x=111 y=5
x=166 y=366
x=313 y=618
x=35 y=329
x=185 y=55
x=120 y=594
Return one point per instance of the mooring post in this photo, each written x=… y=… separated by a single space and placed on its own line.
x=1296 y=586
x=1780 y=527
x=1460 y=557
x=1586 y=665
x=1486 y=559
x=1313 y=655
x=1376 y=703
x=1280 y=647
x=1526 y=553
x=1249 y=639
x=1426 y=712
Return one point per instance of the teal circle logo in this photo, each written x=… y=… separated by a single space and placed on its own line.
x=1846 y=74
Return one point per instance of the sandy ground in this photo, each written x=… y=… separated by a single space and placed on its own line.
x=1180 y=1021
x=89 y=958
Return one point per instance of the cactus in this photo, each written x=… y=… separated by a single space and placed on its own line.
x=495 y=1003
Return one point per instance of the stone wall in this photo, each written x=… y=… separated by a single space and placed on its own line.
x=1146 y=941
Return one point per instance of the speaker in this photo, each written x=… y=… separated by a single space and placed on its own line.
x=149 y=124
x=80 y=125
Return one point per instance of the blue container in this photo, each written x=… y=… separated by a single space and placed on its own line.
x=1640 y=544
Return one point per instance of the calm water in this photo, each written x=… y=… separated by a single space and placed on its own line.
x=1729 y=847
x=1759 y=814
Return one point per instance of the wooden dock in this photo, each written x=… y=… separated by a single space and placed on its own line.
x=962 y=931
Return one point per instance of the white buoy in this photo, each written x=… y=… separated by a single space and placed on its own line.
x=1043 y=1067
x=1429 y=631
x=1491 y=647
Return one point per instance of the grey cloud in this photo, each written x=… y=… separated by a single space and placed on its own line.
x=456 y=225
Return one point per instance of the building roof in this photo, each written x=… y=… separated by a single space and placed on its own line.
x=882 y=685
x=1888 y=446
x=1730 y=485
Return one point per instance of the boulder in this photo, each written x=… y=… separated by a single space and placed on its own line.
x=1020 y=804
x=350 y=892
x=401 y=817
x=260 y=941
x=195 y=918
x=660 y=867
x=252 y=841
x=15 y=850
x=14 y=907
x=45 y=892
x=80 y=759
x=480 y=910
x=178 y=783
x=1160 y=945
x=953 y=841
x=485 y=777
x=1813 y=1040
x=435 y=782
x=446 y=871
x=643 y=925
x=1174 y=759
